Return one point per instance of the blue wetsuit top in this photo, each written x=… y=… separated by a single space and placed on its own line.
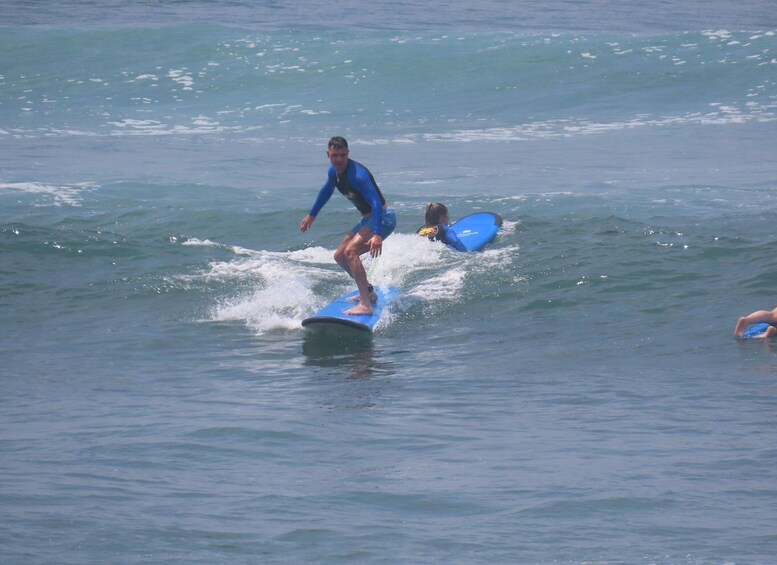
x=441 y=232
x=357 y=185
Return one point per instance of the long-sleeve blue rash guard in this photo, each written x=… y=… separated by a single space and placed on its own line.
x=444 y=233
x=357 y=185
x=450 y=238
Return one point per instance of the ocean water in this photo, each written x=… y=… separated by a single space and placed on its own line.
x=571 y=395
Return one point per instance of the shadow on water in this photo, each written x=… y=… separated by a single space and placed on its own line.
x=342 y=348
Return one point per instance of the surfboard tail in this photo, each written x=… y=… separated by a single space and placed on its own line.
x=332 y=315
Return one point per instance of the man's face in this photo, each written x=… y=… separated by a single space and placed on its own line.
x=338 y=158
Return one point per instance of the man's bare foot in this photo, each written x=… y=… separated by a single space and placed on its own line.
x=359 y=310
x=373 y=296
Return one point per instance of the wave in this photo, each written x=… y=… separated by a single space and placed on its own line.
x=286 y=287
x=459 y=87
x=54 y=195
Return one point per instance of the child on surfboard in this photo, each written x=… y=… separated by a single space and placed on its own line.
x=437 y=226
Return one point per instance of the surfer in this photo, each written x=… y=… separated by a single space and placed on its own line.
x=766 y=317
x=437 y=228
x=378 y=221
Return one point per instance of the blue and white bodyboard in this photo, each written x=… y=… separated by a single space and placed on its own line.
x=755 y=330
x=332 y=315
x=477 y=230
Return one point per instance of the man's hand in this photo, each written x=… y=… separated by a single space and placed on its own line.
x=376 y=245
x=306 y=222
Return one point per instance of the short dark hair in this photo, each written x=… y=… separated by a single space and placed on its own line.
x=338 y=142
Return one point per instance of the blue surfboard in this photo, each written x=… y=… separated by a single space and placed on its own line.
x=477 y=230
x=332 y=315
x=755 y=330
x=474 y=231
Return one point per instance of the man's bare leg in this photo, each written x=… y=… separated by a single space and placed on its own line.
x=348 y=256
x=340 y=257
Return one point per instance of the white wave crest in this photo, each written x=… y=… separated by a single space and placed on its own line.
x=287 y=286
x=58 y=195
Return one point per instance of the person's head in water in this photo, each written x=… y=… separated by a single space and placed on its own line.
x=436 y=213
x=337 y=152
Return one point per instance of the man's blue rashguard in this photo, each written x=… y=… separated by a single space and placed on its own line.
x=441 y=232
x=359 y=186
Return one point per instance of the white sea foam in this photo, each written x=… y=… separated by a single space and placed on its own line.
x=58 y=195
x=280 y=303
x=723 y=114
x=286 y=283
x=208 y=243
x=179 y=76
x=198 y=125
x=283 y=290
x=442 y=286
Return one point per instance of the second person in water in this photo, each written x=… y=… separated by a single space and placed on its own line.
x=437 y=226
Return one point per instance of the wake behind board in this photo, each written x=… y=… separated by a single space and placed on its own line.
x=331 y=315
x=477 y=230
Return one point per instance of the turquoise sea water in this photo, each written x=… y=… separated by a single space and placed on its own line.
x=573 y=394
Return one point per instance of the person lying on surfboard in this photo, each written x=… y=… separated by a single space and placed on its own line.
x=437 y=226
x=378 y=221
x=761 y=323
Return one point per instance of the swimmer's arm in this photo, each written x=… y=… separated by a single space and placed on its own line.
x=453 y=240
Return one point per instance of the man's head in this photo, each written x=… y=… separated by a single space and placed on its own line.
x=337 y=152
